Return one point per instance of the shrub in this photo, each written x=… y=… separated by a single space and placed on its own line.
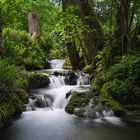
x=22 y=49
x=10 y=80
x=122 y=81
x=88 y=69
x=12 y=85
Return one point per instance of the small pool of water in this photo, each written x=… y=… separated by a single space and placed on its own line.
x=45 y=124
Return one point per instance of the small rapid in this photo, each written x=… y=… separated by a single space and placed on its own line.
x=45 y=116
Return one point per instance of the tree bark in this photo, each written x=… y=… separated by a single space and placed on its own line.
x=33 y=24
x=122 y=27
x=70 y=43
x=92 y=39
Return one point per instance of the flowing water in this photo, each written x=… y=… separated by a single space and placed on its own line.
x=45 y=118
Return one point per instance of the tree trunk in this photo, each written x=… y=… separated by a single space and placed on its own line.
x=70 y=44
x=92 y=39
x=122 y=28
x=33 y=24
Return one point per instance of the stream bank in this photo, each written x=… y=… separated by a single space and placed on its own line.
x=45 y=116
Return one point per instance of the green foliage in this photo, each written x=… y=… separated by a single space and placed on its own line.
x=128 y=69
x=16 y=13
x=21 y=49
x=38 y=80
x=71 y=27
x=113 y=104
x=121 y=82
x=5 y=112
x=77 y=100
x=67 y=64
x=88 y=69
x=12 y=91
x=10 y=81
x=98 y=82
x=106 y=57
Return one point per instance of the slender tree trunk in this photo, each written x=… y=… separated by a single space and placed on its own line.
x=33 y=24
x=70 y=44
x=93 y=37
x=122 y=27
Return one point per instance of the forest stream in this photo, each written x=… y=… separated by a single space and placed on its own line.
x=51 y=122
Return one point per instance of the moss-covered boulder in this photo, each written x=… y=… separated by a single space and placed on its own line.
x=23 y=96
x=38 y=80
x=132 y=117
x=114 y=105
x=77 y=100
x=67 y=64
x=12 y=108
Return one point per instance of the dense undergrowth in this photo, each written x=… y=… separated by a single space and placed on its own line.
x=13 y=95
x=119 y=86
x=23 y=50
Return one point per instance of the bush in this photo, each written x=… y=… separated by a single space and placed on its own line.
x=88 y=69
x=22 y=49
x=12 y=85
x=98 y=82
x=10 y=81
x=121 y=82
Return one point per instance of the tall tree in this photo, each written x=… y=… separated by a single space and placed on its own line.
x=93 y=35
x=70 y=42
x=122 y=34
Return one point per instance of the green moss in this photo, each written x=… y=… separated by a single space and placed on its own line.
x=77 y=100
x=88 y=69
x=17 y=105
x=114 y=105
x=98 y=82
x=38 y=80
x=67 y=64
x=23 y=96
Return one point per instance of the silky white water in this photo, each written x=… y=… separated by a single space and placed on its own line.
x=51 y=122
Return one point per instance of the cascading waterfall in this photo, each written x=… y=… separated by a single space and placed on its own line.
x=56 y=64
x=55 y=95
x=50 y=121
x=83 y=79
x=56 y=82
x=99 y=110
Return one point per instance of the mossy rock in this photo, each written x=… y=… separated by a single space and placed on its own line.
x=10 y=108
x=114 y=105
x=17 y=105
x=67 y=64
x=77 y=100
x=23 y=96
x=79 y=112
x=38 y=80
x=132 y=117
x=31 y=66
